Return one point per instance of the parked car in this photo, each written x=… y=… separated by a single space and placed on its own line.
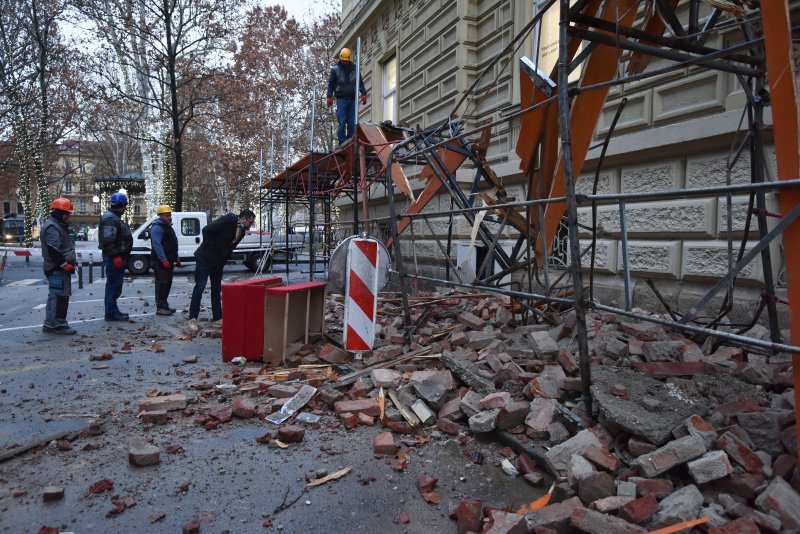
x=81 y=233
x=12 y=229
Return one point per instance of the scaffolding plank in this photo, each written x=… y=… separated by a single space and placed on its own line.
x=373 y=135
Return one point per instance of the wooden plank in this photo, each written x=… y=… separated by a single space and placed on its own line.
x=352 y=377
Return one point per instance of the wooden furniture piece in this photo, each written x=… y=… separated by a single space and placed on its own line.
x=242 y=324
x=293 y=316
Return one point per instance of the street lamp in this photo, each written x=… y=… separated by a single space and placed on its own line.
x=96 y=199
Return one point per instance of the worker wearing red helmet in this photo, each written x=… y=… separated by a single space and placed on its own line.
x=58 y=254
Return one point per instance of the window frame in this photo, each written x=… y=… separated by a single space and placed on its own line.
x=389 y=94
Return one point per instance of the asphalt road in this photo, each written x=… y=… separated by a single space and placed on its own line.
x=49 y=385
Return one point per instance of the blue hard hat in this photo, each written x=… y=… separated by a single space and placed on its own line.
x=119 y=199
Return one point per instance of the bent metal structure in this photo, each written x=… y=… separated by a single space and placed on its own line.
x=558 y=117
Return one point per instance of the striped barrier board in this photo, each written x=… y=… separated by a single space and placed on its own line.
x=361 y=295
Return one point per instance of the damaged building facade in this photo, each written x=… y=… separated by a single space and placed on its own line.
x=677 y=130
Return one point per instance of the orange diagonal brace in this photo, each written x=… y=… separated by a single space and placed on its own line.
x=786 y=122
x=452 y=160
x=586 y=108
x=373 y=135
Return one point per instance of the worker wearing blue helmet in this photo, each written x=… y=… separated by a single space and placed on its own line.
x=116 y=242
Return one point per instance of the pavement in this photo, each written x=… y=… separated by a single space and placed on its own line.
x=223 y=477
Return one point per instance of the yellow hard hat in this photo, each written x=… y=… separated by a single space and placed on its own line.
x=344 y=55
x=163 y=208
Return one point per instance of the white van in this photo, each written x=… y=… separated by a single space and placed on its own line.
x=188 y=227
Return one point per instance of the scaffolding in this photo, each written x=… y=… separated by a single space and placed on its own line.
x=558 y=119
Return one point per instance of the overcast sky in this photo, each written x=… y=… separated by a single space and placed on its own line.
x=300 y=9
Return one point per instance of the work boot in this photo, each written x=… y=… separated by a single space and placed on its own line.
x=48 y=329
x=193 y=326
x=118 y=317
x=64 y=331
x=164 y=311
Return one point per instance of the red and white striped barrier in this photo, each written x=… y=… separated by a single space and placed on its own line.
x=361 y=295
x=18 y=251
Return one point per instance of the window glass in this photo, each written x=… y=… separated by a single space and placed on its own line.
x=96 y=208
x=6 y=207
x=82 y=206
x=390 y=89
x=137 y=209
x=68 y=187
x=190 y=226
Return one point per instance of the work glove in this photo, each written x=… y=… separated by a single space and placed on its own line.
x=178 y=263
x=118 y=263
x=329 y=101
x=166 y=264
x=364 y=99
x=68 y=268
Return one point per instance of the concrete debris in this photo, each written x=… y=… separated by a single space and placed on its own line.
x=674 y=430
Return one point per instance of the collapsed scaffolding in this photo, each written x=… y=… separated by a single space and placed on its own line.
x=558 y=120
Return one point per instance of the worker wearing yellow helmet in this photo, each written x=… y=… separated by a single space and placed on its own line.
x=342 y=85
x=164 y=257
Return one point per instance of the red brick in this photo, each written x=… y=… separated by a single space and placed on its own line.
x=192 y=527
x=595 y=486
x=657 y=487
x=568 y=361
x=448 y=427
x=743 y=525
x=223 y=415
x=291 y=434
x=243 y=407
x=384 y=445
x=784 y=466
x=366 y=420
x=782 y=501
x=740 y=452
x=52 y=493
x=350 y=420
x=495 y=400
x=669 y=369
x=741 y=484
x=537 y=423
x=555 y=516
x=141 y=453
x=283 y=391
x=155 y=417
x=601 y=457
x=697 y=426
x=737 y=406
x=367 y=406
x=168 y=402
x=640 y=510
x=471 y=320
x=469 y=516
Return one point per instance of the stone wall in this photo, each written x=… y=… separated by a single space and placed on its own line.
x=676 y=132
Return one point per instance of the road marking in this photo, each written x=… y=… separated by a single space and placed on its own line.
x=38 y=366
x=71 y=322
x=39 y=306
x=26 y=282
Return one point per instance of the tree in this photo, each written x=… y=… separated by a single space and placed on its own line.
x=33 y=68
x=159 y=57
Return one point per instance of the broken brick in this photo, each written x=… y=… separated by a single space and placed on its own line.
x=594 y=486
x=506 y=523
x=384 y=445
x=155 y=417
x=168 y=403
x=781 y=500
x=448 y=427
x=673 y=453
x=602 y=457
x=657 y=487
x=538 y=420
x=141 y=453
x=367 y=406
x=243 y=407
x=740 y=452
x=710 y=466
x=291 y=434
x=52 y=493
x=743 y=525
x=640 y=510
x=469 y=516
x=366 y=420
x=470 y=320
x=555 y=516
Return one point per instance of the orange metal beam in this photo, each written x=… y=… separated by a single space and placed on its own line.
x=786 y=122
x=655 y=26
x=372 y=134
x=601 y=67
x=452 y=160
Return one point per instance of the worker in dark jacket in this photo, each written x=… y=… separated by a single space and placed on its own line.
x=164 y=257
x=58 y=255
x=342 y=85
x=116 y=243
x=220 y=237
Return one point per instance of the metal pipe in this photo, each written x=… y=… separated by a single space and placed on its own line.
x=572 y=207
x=311 y=191
x=625 y=267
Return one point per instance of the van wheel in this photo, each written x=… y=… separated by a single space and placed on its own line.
x=138 y=264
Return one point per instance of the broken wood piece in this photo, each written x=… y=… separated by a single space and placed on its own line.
x=467 y=372
x=407 y=414
x=328 y=478
x=352 y=377
x=34 y=443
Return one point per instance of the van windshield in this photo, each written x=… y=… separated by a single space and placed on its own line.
x=13 y=223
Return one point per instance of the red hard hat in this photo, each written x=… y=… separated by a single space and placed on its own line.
x=63 y=204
